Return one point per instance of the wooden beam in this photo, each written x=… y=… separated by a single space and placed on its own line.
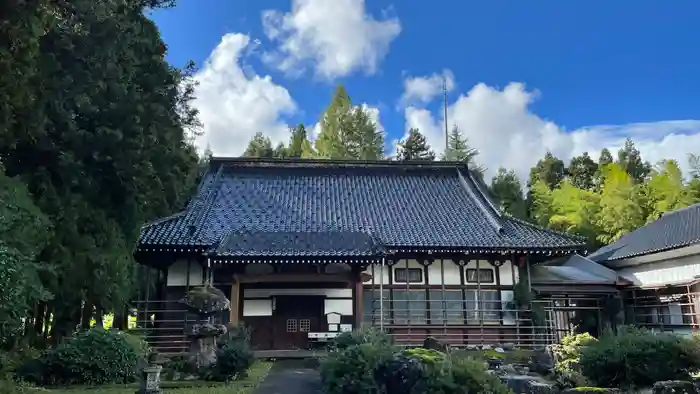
x=292 y=278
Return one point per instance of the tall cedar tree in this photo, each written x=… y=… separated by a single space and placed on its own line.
x=507 y=191
x=581 y=171
x=259 y=146
x=458 y=149
x=414 y=147
x=97 y=123
x=348 y=132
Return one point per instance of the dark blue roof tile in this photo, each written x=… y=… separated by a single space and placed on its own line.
x=399 y=205
x=673 y=230
x=332 y=244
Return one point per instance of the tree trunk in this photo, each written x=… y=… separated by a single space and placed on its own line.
x=86 y=317
x=99 y=317
x=120 y=319
x=47 y=322
x=39 y=318
x=65 y=319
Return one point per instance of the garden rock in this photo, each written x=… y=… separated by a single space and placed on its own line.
x=537 y=387
x=517 y=383
x=543 y=360
x=433 y=344
x=674 y=387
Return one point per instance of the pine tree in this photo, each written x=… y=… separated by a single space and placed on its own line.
x=414 y=147
x=458 y=149
x=259 y=146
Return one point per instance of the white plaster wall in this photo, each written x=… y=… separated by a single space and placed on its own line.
x=177 y=274
x=675 y=271
x=451 y=272
x=507 y=271
x=378 y=273
x=344 y=307
x=257 y=307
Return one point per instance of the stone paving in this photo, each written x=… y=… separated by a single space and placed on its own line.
x=291 y=377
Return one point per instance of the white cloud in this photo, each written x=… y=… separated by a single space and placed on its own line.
x=336 y=37
x=422 y=90
x=500 y=124
x=235 y=103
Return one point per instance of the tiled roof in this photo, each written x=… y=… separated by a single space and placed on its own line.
x=263 y=207
x=673 y=230
x=332 y=244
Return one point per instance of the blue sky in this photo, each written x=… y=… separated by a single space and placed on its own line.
x=525 y=77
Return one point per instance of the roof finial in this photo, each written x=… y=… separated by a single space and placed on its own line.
x=444 y=93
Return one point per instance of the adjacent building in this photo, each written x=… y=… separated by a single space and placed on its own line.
x=660 y=263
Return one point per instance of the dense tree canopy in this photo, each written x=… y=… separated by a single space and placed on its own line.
x=97 y=125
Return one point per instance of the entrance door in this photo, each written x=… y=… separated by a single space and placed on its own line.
x=294 y=317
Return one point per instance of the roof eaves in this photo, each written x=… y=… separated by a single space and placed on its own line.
x=572 y=237
x=655 y=250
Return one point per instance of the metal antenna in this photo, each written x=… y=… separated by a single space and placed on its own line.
x=444 y=93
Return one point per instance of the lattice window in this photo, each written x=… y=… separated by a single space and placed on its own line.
x=415 y=275
x=304 y=325
x=482 y=275
x=291 y=325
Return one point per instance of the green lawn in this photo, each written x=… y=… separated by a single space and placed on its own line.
x=256 y=374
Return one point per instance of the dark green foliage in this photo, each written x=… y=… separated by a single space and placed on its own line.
x=233 y=356
x=92 y=357
x=368 y=368
x=414 y=147
x=98 y=126
x=638 y=358
x=351 y=370
x=358 y=337
x=24 y=231
x=401 y=374
x=470 y=376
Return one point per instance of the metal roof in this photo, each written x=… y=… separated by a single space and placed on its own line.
x=315 y=208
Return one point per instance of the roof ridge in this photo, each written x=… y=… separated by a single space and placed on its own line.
x=545 y=229
x=677 y=211
x=485 y=210
x=163 y=219
x=340 y=163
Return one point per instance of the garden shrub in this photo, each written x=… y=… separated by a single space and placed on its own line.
x=402 y=374
x=638 y=358
x=568 y=352
x=93 y=357
x=363 y=335
x=351 y=370
x=567 y=371
x=234 y=356
x=470 y=376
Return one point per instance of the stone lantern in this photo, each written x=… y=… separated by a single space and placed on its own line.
x=150 y=376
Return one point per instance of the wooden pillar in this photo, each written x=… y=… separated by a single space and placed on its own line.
x=234 y=313
x=358 y=289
